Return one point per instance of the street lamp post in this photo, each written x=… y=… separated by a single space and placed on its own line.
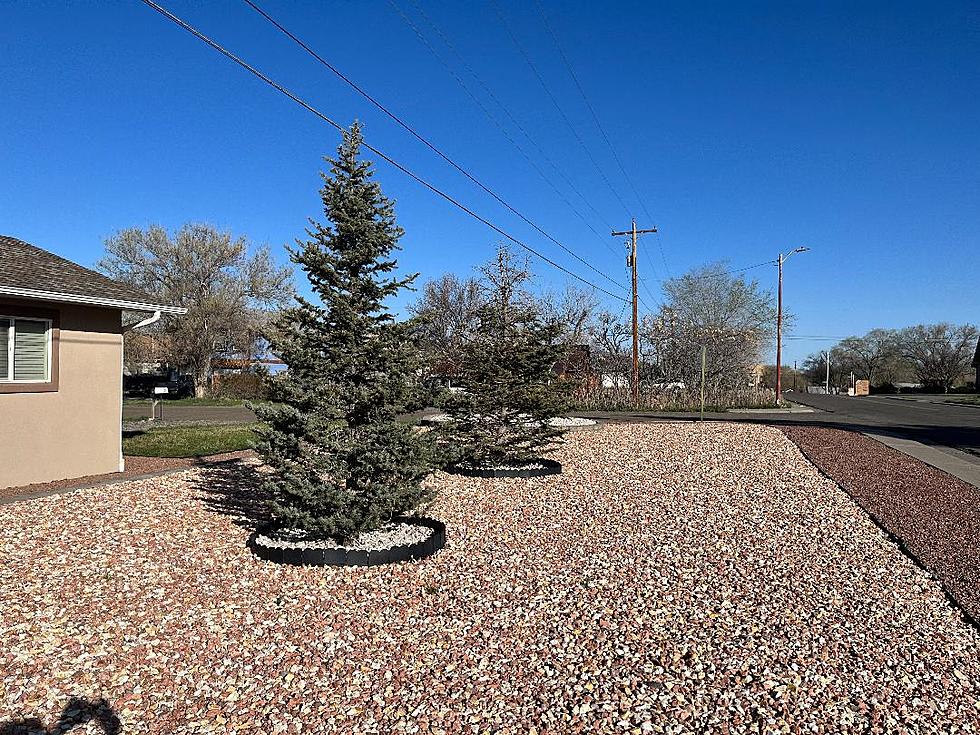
x=779 y=321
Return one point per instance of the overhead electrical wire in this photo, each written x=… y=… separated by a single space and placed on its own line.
x=493 y=118
x=298 y=100
x=750 y=267
x=595 y=118
x=554 y=102
x=418 y=136
x=729 y=272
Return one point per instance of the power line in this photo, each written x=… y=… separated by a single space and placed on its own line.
x=554 y=102
x=493 y=118
x=646 y=256
x=723 y=274
x=422 y=139
x=278 y=87
x=595 y=118
x=814 y=337
x=648 y=291
x=750 y=267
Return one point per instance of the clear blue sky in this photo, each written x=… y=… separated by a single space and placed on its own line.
x=853 y=128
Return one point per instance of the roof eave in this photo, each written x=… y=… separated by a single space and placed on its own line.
x=68 y=298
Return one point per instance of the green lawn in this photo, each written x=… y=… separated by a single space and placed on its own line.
x=190 y=441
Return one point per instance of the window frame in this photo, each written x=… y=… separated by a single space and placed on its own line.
x=11 y=313
x=12 y=352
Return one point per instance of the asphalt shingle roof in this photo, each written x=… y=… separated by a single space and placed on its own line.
x=26 y=266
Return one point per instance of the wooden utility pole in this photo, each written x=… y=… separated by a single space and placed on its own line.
x=779 y=322
x=779 y=334
x=633 y=232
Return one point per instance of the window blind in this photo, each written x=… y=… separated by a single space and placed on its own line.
x=30 y=350
x=4 y=356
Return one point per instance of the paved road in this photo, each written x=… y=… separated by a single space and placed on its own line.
x=944 y=435
x=948 y=425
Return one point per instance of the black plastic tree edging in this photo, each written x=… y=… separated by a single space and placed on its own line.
x=537 y=468
x=333 y=557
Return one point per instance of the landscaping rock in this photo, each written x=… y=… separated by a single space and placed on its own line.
x=675 y=578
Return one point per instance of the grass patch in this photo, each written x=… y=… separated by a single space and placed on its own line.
x=190 y=441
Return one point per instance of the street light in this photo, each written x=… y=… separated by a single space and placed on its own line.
x=779 y=322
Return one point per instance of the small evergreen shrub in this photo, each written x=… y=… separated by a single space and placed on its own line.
x=507 y=390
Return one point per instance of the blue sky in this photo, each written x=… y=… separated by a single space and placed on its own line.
x=853 y=128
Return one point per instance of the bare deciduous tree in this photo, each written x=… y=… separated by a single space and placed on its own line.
x=610 y=338
x=869 y=356
x=228 y=292
x=939 y=354
x=571 y=309
x=732 y=318
x=446 y=315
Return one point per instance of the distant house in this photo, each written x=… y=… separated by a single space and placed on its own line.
x=575 y=364
x=235 y=363
x=61 y=333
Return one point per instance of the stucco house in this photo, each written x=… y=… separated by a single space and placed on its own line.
x=61 y=350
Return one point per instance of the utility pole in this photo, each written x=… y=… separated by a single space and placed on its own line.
x=827 y=384
x=779 y=322
x=633 y=232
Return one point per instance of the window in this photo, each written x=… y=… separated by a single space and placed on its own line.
x=25 y=350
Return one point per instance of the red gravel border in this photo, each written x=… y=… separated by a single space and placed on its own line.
x=934 y=516
x=136 y=467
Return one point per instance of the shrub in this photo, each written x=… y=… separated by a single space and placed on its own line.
x=593 y=397
x=508 y=390
x=240 y=386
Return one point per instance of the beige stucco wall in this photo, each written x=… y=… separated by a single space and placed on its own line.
x=74 y=431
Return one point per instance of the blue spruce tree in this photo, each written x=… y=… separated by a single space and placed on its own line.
x=342 y=463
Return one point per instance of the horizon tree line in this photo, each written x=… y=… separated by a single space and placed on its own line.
x=936 y=356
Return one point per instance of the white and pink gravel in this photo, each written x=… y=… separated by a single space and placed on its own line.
x=674 y=578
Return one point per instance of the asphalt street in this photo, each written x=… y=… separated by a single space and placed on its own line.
x=938 y=424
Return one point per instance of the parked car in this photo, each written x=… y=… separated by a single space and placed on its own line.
x=144 y=385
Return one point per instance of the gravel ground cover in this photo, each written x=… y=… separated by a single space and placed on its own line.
x=936 y=515
x=134 y=466
x=675 y=578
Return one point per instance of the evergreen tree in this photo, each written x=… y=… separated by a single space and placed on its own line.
x=509 y=391
x=342 y=461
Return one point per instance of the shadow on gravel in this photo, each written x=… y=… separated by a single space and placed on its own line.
x=232 y=489
x=76 y=712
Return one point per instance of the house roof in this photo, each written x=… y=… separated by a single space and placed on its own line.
x=976 y=355
x=29 y=272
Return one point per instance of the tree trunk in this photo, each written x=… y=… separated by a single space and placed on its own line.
x=202 y=378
